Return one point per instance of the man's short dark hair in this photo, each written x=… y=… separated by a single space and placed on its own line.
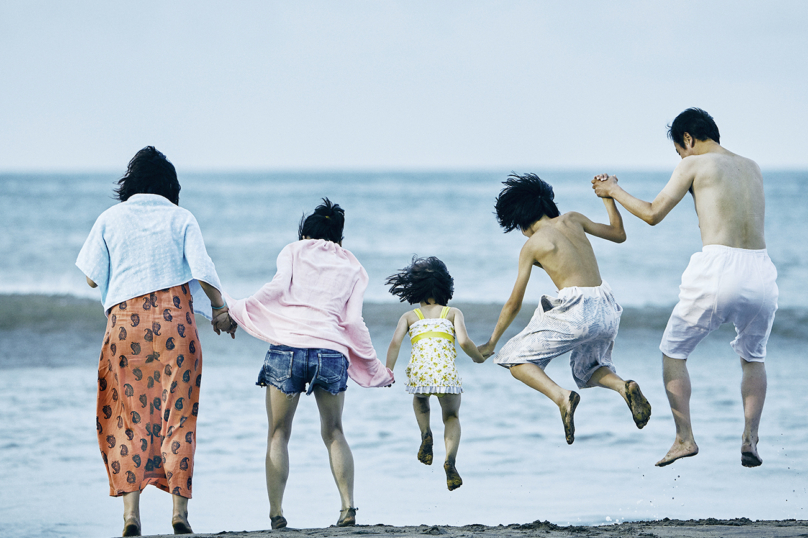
x=697 y=123
x=149 y=172
x=524 y=200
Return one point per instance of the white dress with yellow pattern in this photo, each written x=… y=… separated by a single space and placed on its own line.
x=432 y=366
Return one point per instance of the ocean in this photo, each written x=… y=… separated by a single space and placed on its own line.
x=513 y=459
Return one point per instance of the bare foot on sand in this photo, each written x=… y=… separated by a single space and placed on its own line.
x=680 y=449
x=453 y=480
x=181 y=525
x=749 y=454
x=425 y=452
x=567 y=416
x=640 y=408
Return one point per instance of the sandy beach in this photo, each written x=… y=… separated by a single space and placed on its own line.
x=701 y=528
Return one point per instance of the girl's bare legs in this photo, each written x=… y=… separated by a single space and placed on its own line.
x=280 y=412
x=629 y=390
x=420 y=404
x=131 y=514
x=566 y=400
x=677 y=386
x=450 y=408
x=339 y=453
x=753 y=392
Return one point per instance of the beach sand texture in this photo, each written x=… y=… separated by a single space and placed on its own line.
x=673 y=528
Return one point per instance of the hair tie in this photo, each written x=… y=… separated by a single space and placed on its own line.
x=327 y=216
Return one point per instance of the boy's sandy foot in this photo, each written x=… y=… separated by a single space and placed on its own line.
x=567 y=416
x=181 y=526
x=425 y=452
x=278 y=522
x=453 y=480
x=131 y=528
x=640 y=408
x=749 y=454
x=347 y=517
x=678 y=450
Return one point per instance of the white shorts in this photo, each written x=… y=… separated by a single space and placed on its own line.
x=581 y=320
x=721 y=285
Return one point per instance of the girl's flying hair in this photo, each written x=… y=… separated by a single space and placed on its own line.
x=326 y=222
x=524 y=200
x=423 y=279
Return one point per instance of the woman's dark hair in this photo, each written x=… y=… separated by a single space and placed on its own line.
x=524 y=200
x=326 y=222
x=149 y=172
x=423 y=279
x=695 y=122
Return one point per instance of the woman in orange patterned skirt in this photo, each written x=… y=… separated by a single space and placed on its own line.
x=147 y=256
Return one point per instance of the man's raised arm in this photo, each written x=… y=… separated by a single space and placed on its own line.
x=606 y=186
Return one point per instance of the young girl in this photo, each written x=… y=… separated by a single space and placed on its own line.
x=311 y=314
x=433 y=328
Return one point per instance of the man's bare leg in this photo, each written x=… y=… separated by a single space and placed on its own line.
x=677 y=387
x=339 y=453
x=753 y=392
x=629 y=390
x=420 y=404
x=450 y=408
x=179 y=518
x=280 y=412
x=566 y=400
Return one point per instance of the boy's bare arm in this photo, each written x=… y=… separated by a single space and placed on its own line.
x=463 y=340
x=669 y=196
x=395 y=343
x=527 y=256
x=613 y=231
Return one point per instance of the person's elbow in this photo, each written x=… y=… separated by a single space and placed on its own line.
x=620 y=237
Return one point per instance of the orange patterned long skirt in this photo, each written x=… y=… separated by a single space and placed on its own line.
x=149 y=375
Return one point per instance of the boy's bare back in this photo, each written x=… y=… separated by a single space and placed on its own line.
x=560 y=247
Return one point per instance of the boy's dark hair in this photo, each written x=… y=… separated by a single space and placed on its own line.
x=149 y=172
x=524 y=200
x=326 y=222
x=697 y=123
x=423 y=279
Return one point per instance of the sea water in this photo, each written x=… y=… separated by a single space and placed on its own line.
x=513 y=458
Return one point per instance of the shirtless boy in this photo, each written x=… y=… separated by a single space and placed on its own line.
x=583 y=318
x=731 y=280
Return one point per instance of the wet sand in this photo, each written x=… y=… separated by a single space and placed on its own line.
x=702 y=528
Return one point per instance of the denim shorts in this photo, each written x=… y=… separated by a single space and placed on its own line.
x=289 y=369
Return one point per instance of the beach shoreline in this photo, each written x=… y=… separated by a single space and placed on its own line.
x=664 y=528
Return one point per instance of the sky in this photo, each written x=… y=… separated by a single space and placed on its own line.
x=396 y=85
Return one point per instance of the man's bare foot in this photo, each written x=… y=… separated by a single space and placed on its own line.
x=453 y=480
x=567 y=416
x=640 y=408
x=181 y=525
x=678 y=450
x=425 y=452
x=749 y=454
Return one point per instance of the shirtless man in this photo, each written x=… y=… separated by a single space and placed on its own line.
x=731 y=280
x=583 y=319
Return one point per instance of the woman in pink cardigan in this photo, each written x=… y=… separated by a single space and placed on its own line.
x=311 y=314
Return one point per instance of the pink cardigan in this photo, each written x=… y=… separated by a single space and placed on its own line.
x=315 y=301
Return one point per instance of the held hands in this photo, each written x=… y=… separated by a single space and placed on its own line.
x=223 y=322
x=603 y=184
x=486 y=350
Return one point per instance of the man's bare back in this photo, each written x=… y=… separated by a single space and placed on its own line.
x=727 y=191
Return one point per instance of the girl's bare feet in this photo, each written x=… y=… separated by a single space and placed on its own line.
x=347 y=517
x=453 y=480
x=425 y=452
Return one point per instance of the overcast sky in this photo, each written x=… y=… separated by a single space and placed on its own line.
x=259 y=85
